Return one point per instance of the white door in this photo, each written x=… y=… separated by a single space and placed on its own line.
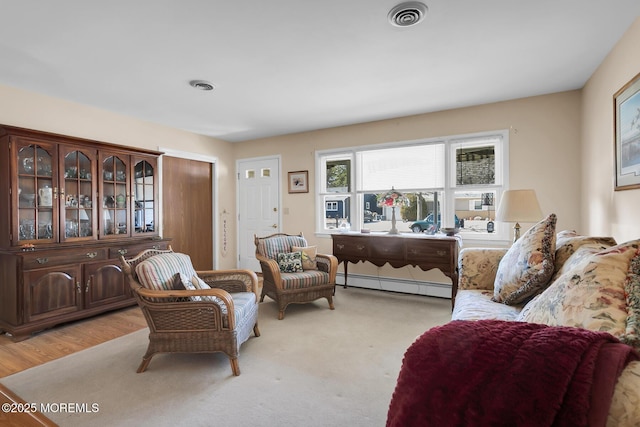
x=258 y=206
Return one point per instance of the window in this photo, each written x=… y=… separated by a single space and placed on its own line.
x=450 y=182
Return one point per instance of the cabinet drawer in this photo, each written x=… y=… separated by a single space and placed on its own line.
x=129 y=251
x=60 y=257
x=387 y=249
x=434 y=253
x=353 y=247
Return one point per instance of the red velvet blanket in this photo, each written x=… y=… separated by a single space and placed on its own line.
x=495 y=373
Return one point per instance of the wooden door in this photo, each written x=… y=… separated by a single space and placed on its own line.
x=187 y=208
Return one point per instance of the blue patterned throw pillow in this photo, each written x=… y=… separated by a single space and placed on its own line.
x=290 y=262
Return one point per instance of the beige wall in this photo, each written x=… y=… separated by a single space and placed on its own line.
x=544 y=147
x=605 y=211
x=568 y=161
x=40 y=112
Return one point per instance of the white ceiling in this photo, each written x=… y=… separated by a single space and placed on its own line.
x=284 y=66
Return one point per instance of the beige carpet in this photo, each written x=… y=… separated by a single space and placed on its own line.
x=316 y=367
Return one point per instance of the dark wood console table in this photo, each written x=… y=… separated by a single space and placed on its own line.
x=399 y=250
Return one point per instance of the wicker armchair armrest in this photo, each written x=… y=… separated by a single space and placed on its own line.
x=231 y=280
x=477 y=267
x=328 y=264
x=170 y=300
x=270 y=271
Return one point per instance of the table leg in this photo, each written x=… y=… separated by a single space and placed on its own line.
x=346 y=263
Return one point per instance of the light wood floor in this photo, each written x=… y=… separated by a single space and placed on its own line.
x=67 y=339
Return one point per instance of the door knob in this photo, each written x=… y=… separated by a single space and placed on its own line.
x=274 y=226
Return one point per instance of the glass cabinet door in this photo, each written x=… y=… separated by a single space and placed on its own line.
x=78 y=195
x=115 y=218
x=37 y=193
x=144 y=196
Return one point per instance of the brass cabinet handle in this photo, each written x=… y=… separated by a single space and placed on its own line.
x=92 y=254
x=361 y=247
x=340 y=246
x=78 y=287
x=156 y=247
x=42 y=260
x=122 y=251
x=441 y=252
x=86 y=288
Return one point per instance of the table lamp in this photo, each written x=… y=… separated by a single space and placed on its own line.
x=519 y=205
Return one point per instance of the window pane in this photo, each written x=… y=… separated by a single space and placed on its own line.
x=424 y=215
x=415 y=166
x=476 y=210
x=338 y=173
x=336 y=210
x=476 y=165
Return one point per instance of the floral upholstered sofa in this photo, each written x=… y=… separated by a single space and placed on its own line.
x=562 y=279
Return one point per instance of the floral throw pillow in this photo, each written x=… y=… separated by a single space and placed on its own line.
x=527 y=267
x=290 y=262
x=569 y=243
x=601 y=294
x=309 y=255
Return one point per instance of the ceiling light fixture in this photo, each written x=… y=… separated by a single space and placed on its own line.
x=407 y=14
x=201 y=84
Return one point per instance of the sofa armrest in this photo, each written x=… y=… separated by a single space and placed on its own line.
x=477 y=267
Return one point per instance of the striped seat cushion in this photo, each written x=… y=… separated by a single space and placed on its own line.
x=273 y=246
x=157 y=272
x=243 y=303
x=304 y=279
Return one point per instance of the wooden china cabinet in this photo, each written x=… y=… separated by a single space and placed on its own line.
x=71 y=207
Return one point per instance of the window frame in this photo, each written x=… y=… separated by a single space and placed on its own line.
x=498 y=138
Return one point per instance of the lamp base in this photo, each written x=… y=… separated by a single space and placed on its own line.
x=516 y=232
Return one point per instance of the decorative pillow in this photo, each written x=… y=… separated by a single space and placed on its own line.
x=180 y=282
x=602 y=294
x=568 y=242
x=309 y=254
x=527 y=266
x=198 y=283
x=290 y=262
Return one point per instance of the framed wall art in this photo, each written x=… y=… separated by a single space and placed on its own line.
x=299 y=182
x=627 y=135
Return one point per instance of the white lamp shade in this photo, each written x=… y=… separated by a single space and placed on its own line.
x=519 y=206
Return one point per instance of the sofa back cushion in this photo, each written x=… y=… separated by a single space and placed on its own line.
x=527 y=267
x=158 y=271
x=272 y=246
x=601 y=293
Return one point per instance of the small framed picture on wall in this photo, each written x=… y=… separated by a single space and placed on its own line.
x=627 y=135
x=299 y=182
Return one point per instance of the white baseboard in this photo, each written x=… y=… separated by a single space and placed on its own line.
x=432 y=289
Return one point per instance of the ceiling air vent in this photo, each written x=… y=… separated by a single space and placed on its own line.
x=201 y=84
x=407 y=14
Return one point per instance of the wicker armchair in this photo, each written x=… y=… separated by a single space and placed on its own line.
x=297 y=287
x=185 y=319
